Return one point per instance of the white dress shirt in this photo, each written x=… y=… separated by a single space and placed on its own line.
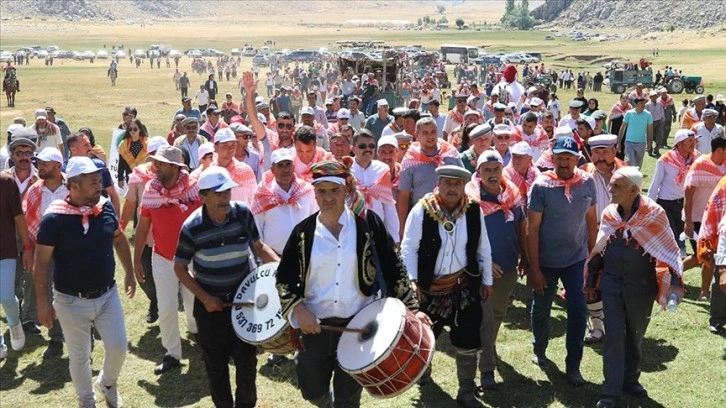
x=387 y=211
x=276 y=224
x=664 y=184
x=357 y=120
x=48 y=196
x=452 y=254
x=705 y=136
x=602 y=193
x=332 y=286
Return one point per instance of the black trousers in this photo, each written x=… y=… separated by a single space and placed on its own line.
x=673 y=209
x=318 y=363
x=464 y=325
x=149 y=287
x=218 y=342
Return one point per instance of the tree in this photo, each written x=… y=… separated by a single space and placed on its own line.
x=427 y=20
x=517 y=17
x=460 y=22
x=440 y=9
x=443 y=20
x=420 y=21
x=509 y=8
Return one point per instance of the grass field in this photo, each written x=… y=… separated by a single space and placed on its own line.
x=683 y=364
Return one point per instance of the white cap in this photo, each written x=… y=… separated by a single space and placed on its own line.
x=80 y=165
x=155 y=143
x=308 y=110
x=13 y=127
x=683 y=134
x=502 y=129
x=562 y=131
x=239 y=128
x=472 y=112
x=224 y=135
x=535 y=102
x=522 y=148
x=281 y=155
x=204 y=149
x=343 y=114
x=631 y=173
x=262 y=118
x=26 y=132
x=382 y=102
x=389 y=140
x=719 y=98
x=259 y=100
x=489 y=156
x=41 y=114
x=215 y=178
x=590 y=121
x=49 y=154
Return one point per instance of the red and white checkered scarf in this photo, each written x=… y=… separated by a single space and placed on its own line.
x=508 y=198
x=415 y=157
x=673 y=158
x=66 y=208
x=184 y=192
x=266 y=197
x=550 y=179
x=703 y=172
x=522 y=182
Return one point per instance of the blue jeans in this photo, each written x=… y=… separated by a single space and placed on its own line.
x=7 y=293
x=572 y=279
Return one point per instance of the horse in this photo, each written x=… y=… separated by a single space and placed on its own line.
x=11 y=85
x=113 y=74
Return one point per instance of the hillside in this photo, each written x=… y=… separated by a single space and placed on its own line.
x=647 y=15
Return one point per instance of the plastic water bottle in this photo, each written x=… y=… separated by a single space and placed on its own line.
x=672 y=302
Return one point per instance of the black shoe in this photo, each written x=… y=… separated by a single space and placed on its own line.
x=488 y=382
x=31 y=327
x=575 y=378
x=152 y=317
x=540 y=359
x=55 y=349
x=606 y=402
x=636 y=390
x=275 y=359
x=716 y=328
x=167 y=364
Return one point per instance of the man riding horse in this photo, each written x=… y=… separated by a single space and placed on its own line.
x=11 y=84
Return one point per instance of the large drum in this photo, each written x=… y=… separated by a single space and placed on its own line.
x=392 y=354
x=262 y=323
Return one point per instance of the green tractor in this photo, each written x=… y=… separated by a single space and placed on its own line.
x=690 y=84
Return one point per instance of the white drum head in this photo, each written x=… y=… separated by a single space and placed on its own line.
x=356 y=352
x=259 y=323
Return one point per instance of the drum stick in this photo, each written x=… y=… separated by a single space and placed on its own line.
x=248 y=303
x=344 y=329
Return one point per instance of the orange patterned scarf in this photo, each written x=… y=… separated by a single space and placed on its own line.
x=712 y=215
x=184 y=192
x=416 y=157
x=550 y=179
x=682 y=164
x=522 y=182
x=66 y=208
x=508 y=198
x=141 y=174
x=703 y=172
x=267 y=198
x=649 y=226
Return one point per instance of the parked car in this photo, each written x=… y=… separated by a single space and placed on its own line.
x=52 y=48
x=139 y=53
x=6 y=56
x=175 y=54
x=249 y=51
x=235 y=52
x=265 y=50
x=513 y=59
x=260 y=60
x=303 y=56
x=194 y=53
x=102 y=54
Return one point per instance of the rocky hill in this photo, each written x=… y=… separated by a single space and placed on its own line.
x=648 y=15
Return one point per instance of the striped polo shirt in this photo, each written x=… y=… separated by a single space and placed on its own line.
x=220 y=252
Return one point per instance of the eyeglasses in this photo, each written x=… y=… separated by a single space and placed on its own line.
x=23 y=154
x=404 y=146
x=245 y=136
x=285 y=126
x=461 y=101
x=363 y=146
x=503 y=137
x=126 y=114
x=133 y=129
x=190 y=126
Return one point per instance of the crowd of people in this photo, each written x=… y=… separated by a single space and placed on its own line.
x=443 y=211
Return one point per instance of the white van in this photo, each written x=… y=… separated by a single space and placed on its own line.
x=265 y=50
x=249 y=51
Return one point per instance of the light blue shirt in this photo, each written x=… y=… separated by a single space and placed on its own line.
x=637 y=130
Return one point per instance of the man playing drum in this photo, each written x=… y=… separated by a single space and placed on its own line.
x=219 y=238
x=321 y=283
x=446 y=251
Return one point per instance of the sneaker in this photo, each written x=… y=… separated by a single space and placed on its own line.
x=3 y=351
x=716 y=328
x=594 y=336
x=110 y=394
x=17 y=337
x=31 y=327
x=167 y=364
x=54 y=350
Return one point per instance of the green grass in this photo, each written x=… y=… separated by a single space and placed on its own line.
x=683 y=365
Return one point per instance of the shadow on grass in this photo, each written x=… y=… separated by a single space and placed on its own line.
x=176 y=387
x=657 y=352
x=282 y=372
x=149 y=346
x=432 y=395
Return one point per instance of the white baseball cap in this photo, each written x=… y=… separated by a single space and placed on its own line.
x=562 y=131
x=281 y=155
x=522 y=148
x=80 y=165
x=489 y=156
x=204 y=149
x=389 y=140
x=308 y=110
x=502 y=129
x=382 y=102
x=215 y=178
x=343 y=114
x=155 y=143
x=683 y=134
x=224 y=135
x=49 y=154
x=262 y=118
x=239 y=128
x=13 y=127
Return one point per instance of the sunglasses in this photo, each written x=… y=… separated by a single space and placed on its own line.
x=23 y=154
x=133 y=129
x=403 y=146
x=370 y=146
x=126 y=114
x=245 y=136
x=190 y=126
x=285 y=126
x=503 y=137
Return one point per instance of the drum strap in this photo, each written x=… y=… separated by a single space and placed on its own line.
x=379 y=284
